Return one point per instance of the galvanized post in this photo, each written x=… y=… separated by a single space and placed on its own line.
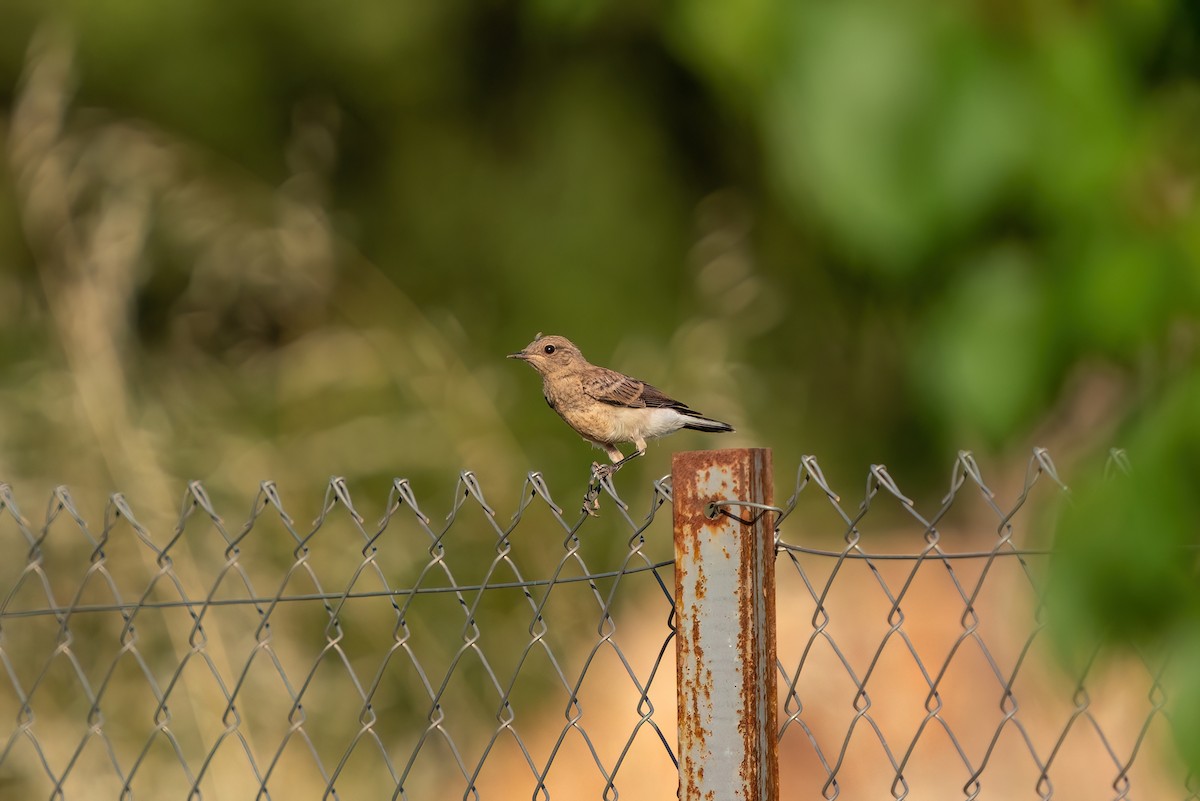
x=725 y=614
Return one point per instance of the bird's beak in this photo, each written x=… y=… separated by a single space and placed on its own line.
x=520 y=355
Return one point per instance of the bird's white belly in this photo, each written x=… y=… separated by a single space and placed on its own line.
x=629 y=425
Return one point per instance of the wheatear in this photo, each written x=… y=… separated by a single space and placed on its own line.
x=606 y=407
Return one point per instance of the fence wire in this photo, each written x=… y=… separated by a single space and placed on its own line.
x=531 y=655
x=418 y=698
x=966 y=628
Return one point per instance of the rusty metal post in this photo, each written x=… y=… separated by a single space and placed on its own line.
x=725 y=616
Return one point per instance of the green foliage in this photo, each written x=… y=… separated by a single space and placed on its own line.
x=898 y=129
x=1130 y=542
x=281 y=240
x=988 y=350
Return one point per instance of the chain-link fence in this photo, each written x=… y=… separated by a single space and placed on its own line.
x=926 y=672
x=496 y=654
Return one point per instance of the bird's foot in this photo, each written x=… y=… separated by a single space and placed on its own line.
x=600 y=474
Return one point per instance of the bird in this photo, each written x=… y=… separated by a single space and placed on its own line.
x=605 y=407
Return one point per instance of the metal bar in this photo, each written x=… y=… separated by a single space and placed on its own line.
x=725 y=643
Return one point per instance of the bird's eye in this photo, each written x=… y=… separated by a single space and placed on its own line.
x=548 y=349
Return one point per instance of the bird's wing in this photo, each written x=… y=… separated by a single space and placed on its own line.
x=615 y=389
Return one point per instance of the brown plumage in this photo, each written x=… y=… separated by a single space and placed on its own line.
x=606 y=407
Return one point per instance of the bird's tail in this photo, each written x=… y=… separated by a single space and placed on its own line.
x=698 y=423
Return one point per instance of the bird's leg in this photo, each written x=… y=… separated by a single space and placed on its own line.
x=641 y=451
x=604 y=472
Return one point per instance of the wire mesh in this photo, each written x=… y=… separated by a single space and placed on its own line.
x=531 y=656
x=160 y=670
x=927 y=673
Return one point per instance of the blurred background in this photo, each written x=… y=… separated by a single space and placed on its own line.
x=288 y=240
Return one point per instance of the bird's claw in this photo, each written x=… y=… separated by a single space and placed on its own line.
x=600 y=474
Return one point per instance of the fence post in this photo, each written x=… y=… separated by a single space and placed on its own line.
x=725 y=626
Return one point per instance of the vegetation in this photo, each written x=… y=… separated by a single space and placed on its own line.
x=242 y=241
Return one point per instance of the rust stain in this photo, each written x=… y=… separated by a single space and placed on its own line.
x=753 y=550
x=695 y=693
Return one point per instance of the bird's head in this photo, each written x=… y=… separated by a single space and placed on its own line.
x=550 y=355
